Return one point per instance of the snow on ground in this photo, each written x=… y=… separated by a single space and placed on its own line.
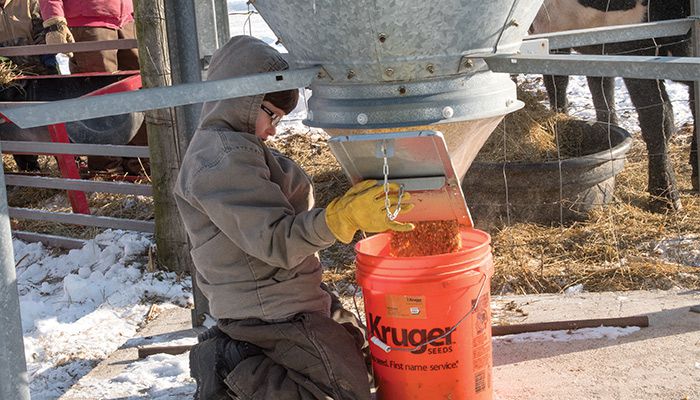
x=79 y=307
x=602 y=332
x=157 y=377
x=682 y=250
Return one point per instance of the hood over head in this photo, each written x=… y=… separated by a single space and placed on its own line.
x=241 y=55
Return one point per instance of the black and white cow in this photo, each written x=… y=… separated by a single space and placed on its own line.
x=648 y=96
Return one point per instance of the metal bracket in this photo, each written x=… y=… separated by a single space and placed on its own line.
x=323 y=74
x=388 y=145
x=535 y=47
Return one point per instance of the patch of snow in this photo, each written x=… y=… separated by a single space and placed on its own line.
x=160 y=376
x=79 y=307
x=603 y=332
x=684 y=250
x=575 y=289
x=237 y=5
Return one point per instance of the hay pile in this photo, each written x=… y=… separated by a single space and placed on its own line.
x=8 y=72
x=533 y=134
x=616 y=248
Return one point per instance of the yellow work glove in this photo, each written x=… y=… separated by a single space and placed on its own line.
x=57 y=32
x=362 y=208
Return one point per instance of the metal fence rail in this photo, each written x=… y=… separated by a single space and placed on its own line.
x=82 y=219
x=50 y=240
x=78 y=184
x=614 y=34
x=75 y=149
x=39 y=49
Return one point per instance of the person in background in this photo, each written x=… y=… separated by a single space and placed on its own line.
x=68 y=21
x=21 y=25
x=249 y=213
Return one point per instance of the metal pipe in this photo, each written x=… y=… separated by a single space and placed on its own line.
x=93 y=45
x=613 y=34
x=50 y=240
x=183 y=45
x=14 y=383
x=694 y=10
x=222 y=22
x=158 y=97
x=641 y=321
x=641 y=67
x=82 y=219
x=78 y=149
x=79 y=184
x=207 y=34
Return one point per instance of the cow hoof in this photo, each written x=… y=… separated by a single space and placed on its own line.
x=662 y=204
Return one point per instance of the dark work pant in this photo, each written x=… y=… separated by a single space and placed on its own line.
x=308 y=357
x=105 y=60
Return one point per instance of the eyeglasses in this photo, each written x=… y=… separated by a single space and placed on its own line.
x=274 y=117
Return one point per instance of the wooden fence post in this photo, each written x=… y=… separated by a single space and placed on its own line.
x=166 y=147
x=167 y=144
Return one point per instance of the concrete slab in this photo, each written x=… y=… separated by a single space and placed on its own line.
x=658 y=362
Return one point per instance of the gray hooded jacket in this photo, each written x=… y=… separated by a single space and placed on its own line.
x=247 y=209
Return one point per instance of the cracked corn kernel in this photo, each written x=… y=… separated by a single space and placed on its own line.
x=427 y=239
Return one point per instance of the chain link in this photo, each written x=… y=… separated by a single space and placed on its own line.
x=387 y=203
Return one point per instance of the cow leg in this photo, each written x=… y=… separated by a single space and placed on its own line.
x=656 y=122
x=556 y=86
x=556 y=92
x=27 y=162
x=694 y=142
x=603 y=93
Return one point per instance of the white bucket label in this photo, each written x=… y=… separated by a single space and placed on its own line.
x=404 y=306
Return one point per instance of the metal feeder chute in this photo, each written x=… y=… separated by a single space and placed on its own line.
x=406 y=66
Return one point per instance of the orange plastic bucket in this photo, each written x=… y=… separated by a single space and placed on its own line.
x=428 y=319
